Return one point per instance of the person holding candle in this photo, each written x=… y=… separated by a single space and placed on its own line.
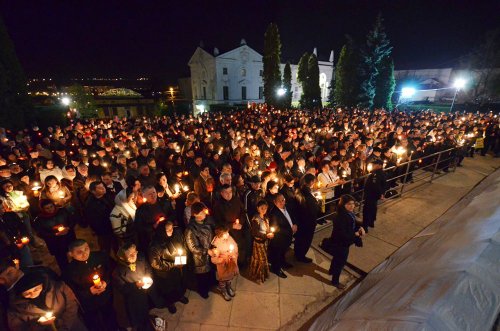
x=261 y=233
x=97 y=210
x=133 y=288
x=55 y=227
x=148 y=216
x=56 y=192
x=12 y=232
x=374 y=190
x=225 y=257
x=89 y=276
x=199 y=234
x=37 y=294
x=168 y=243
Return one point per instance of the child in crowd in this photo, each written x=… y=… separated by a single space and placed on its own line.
x=225 y=257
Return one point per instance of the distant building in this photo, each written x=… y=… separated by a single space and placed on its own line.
x=123 y=102
x=235 y=77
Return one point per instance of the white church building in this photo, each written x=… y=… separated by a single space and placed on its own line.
x=235 y=77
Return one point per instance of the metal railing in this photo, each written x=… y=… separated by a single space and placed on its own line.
x=417 y=171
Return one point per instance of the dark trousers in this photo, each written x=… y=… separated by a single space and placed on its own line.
x=276 y=254
x=204 y=281
x=303 y=239
x=101 y=318
x=340 y=255
x=369 y=212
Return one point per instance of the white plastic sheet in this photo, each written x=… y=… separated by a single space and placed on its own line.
x=447 y=278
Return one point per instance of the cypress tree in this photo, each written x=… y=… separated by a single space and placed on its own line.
x=346 y=78
x=377 y=47
x=14 y=99
x=303 y=79
x=271 y=61
x=331 y=91
x=384 y=84
x=313 y=82
x=287 y=85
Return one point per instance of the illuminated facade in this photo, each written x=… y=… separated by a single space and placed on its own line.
x=235 y=77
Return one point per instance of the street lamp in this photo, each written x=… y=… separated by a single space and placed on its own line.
x=281 y=92
x=407 y=92
x=66 y=101
x=458 y=84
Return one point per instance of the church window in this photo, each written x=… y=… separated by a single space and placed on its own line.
x=243 y=72
x=243 y=93
x=204 y=92
x=224 y=71
x=261 y=92
x=261 y=73
x=225 y=92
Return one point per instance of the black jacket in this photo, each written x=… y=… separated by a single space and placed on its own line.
x=284 y=232
x=97 y=214
x=308 y=209
x=163 y=250
x=344 y=229
x=198 y=241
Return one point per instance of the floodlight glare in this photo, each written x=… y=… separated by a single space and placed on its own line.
x=407 y=92
x=66 y=101
x=281 y=91
x=459 y=83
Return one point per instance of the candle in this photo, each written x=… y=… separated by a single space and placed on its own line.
x=148 y=281
x=16 y=262
x=185 y=173
x=231 y=248
x=61 y=194
x=97 y=280
x=272 y=229
x=36 y=186
x=177 y=188
x=344 y=174
x=60 y=228
x=105 y=164
x=206 y=211
x=144 y=199
x=25 y=240
x=185 y=188
x=161 y=219
x=47 y=317
x=369 y=167
x=237 y=221
x=180 y=259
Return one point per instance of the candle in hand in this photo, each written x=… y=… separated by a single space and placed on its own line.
x=47 y=317
x=97 y=280
x=61 y=194
x=60 y=228
x=369 y=167
x=148 y=281
x=25 y=240
x=272 y=229
x=231 y=248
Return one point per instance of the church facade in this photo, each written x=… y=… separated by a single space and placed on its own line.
x=236 y=77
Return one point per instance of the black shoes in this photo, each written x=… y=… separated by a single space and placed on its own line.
x=172 y=309
x=184 y=300
x=279 y=273
x=204 y=295
x=340 y=286
x=304 y=259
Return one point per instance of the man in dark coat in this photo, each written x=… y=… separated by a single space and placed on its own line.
x=308 y=212
x=97 y=210
x=94 y=294
x=374 y=190
x=252 y=196
x=229 y=211
x=148 y=216
x=168 y=243
x=285 y=226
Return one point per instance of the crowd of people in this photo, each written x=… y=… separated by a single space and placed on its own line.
x=179 y=202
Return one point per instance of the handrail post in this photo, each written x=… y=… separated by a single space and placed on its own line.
x=435 y=167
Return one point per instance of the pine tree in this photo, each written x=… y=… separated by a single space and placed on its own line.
x=346 y=75
x=303 y=79
x=14 y=99
x=271 y=60
x=313 y=82
x=287 y=85
x=377 y=47
x=384 y=84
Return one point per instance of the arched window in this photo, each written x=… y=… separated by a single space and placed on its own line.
x=243 y=72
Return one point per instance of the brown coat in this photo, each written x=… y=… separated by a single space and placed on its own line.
x=60 y=299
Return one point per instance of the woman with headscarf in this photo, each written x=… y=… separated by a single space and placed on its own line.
x=53 y=225
x=41 y=303
x=123 y=215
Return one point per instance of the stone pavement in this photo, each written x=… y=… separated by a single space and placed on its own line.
x=290 y=304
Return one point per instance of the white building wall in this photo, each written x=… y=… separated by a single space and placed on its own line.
x=244 y=67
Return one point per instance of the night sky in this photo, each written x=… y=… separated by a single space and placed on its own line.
x=89 y=38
